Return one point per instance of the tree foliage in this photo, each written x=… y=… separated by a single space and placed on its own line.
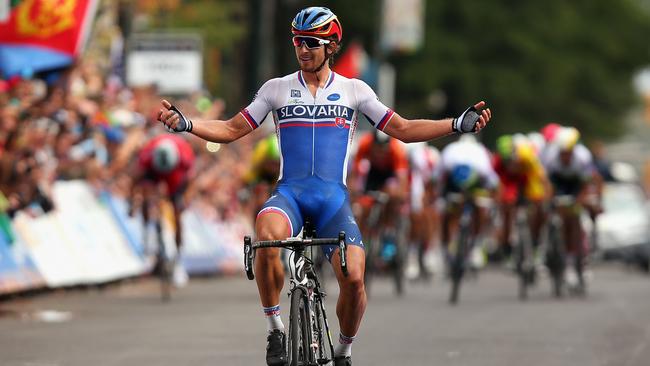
x=533 y=61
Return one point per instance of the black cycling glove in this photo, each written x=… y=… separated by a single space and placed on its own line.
x=466 y=123
x=184 y=123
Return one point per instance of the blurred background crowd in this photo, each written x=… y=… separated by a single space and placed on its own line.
x=83 y=126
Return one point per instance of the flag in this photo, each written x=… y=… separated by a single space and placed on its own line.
x=353 y=62
x=42 y=35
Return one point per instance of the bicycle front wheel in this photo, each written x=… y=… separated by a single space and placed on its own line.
x=555 y=257
x=457 y=269
x=299 y=330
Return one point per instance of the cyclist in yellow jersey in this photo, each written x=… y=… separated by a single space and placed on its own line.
x=522 y=176
x=264 y=170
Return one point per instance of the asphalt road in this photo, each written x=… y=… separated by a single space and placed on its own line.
x=218 y=321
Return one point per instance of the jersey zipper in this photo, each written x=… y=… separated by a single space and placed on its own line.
x=313 y=134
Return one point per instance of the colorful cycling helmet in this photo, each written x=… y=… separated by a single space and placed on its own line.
x=505 y=147
x=317 y=21
x=463 y=176
x=537 y=140
x=165 y=156
x=468 y=138
x=567 y=138
x=550 y=131
x=525 y=152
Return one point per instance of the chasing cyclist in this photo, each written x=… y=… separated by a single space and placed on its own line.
x=572 y=173
x=380 y=189
x=424 y=180
x=164 y=170
x=316 y=112
x=264 y=170
x=466 y=170
x=523 y=181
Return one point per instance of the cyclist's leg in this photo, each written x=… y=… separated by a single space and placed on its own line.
x=177 y=198
x=352 y=300
x=508 y=199
x=278 y=219
x=352 y=296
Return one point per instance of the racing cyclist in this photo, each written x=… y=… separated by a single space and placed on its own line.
x=466 y=169
x=424 y=178
x=264 y=170
x=571 y=170
x=523 y=180
x=316 y=111
x=380 y=166
x=165 y=166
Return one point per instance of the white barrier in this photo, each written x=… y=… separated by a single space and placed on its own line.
x=79 y=242
x=88 y=240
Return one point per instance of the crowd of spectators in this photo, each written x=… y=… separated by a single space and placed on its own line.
x=85 y=125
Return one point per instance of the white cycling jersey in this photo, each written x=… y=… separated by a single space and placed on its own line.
x=472 y=154
x=315 y=132
x=580 y=167
x=423 y=163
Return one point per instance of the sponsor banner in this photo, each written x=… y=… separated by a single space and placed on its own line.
x=131 y=227
x=92 y=228
x=79 y=242
x=209 y=245
x=56 y=259
x=17 y=270
x=213 y=246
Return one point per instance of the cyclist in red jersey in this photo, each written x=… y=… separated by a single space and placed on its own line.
x=165 y=162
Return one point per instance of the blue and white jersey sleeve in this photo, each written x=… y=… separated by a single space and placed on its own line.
x=367 y=103
x=262 y=104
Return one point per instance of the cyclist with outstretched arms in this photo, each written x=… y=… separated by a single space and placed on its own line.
x=316 y=113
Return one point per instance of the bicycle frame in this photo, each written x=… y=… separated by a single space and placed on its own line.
x=465 y=242
x=302 y=278
x=557 y=242
x=523 y=242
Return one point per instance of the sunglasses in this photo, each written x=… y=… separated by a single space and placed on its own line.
x=310 y=42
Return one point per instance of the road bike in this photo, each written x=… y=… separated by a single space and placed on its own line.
x=458 y=256
x=309 y=341
x=556 y=255
x=524 y=252
x=153 y=208
x=385 y=247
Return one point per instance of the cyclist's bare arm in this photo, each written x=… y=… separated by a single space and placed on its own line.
x=425 y=129
x=210 y=130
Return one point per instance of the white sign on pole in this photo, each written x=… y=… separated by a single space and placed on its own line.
x=174 y=63
x=4 y=10
x=402 y=25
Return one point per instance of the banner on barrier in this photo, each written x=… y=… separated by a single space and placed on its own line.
x=212 y=246
x=17 y=270
x=79 y=242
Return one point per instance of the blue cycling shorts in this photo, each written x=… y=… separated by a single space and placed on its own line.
x=326 y=204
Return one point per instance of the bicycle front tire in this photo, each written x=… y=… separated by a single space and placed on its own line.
x=299 y=330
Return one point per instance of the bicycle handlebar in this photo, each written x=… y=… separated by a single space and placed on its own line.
x=292 y=243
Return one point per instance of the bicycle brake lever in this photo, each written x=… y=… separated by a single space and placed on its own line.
x=248 y=258
x=343 y=253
